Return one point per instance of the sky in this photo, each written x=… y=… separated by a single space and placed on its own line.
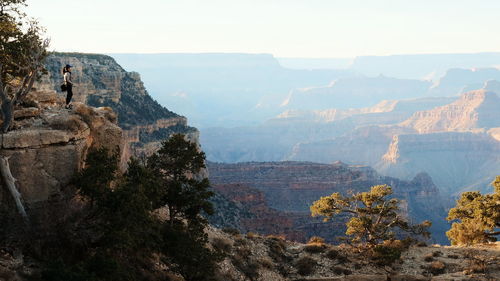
x=284 y=28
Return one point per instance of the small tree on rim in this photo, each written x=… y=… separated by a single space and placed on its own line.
x=374 y=216
x=478 y=216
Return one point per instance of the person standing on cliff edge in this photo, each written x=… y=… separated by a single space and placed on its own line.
x=69 y=85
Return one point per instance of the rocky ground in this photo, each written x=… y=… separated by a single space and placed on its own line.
x=253 y=257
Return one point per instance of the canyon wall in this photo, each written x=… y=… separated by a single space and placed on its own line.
x=291 y=187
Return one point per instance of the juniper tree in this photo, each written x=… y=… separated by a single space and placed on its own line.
x=22 y=53
x=374 y=216
x=477 y=217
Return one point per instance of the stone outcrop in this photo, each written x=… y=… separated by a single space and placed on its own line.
x=291 y=187
x=49 y=144
x=101 y=82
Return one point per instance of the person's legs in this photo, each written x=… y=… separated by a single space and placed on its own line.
x=69 y=94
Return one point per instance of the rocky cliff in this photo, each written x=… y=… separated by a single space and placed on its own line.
x=291 y=187
x=457 y=144
x=100 y=81
x=48 y=144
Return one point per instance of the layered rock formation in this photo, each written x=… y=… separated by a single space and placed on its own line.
x=100 y=81
x=291 y=187
x=365 y=145
x=48 y=144
x=288 y=135
x=474 y=110
x=457 y=144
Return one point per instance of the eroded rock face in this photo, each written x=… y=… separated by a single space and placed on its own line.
x=47 y=148
x=101 y=82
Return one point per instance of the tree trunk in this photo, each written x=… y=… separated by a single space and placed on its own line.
x=7 y=113
x=10 y=183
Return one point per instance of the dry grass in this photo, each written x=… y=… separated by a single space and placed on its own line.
x=222 y=244
x=436 y=267
x=276 y=237
x=266 y=262
x=476 y=265
x=316 y=240
x=251 y=235
x=315 y=248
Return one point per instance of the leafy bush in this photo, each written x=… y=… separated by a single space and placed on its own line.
x=305 y=265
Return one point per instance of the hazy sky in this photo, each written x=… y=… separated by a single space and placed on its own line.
x=285 y=28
